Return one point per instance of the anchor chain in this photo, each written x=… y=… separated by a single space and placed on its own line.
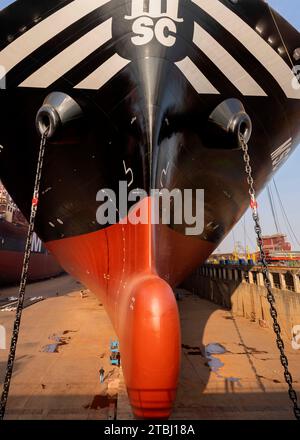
x=266 y=275
x=24 y=277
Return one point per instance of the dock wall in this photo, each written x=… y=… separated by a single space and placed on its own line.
x=241 y=289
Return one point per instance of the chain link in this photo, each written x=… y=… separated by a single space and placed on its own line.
x=24 y=277
x=266 y=274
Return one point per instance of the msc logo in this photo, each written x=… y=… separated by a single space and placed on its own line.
x=158 y=20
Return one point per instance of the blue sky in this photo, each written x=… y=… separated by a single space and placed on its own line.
x=289 y=9
x=4 y=3
x=287 y=178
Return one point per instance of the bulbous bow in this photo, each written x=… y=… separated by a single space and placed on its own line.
x=150 y=346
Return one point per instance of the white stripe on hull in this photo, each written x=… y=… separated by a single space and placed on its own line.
x=70 y=57
x=104 y=73
x=282 y=148
x=196 y=77
x=31 y=40
x=264 y=53
x=226 y=63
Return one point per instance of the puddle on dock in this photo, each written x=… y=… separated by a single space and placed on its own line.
x=58 y=341
x=215 y=364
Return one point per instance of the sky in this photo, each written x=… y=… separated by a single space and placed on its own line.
x=287 y=179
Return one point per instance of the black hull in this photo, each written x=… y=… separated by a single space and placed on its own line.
x=147 y=118
x=12 y=245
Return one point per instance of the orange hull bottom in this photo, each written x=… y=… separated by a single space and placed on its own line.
x=120 y=265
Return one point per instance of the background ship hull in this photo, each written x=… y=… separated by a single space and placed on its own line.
x=12 y=244
x=41 y=267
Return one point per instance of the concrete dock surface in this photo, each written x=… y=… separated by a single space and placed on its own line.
x=230 y=366
x=64 y=384
x=250 y=384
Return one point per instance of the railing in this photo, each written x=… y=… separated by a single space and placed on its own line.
x=280 y=279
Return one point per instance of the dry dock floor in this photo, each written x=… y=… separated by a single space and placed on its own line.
x=65 y=384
